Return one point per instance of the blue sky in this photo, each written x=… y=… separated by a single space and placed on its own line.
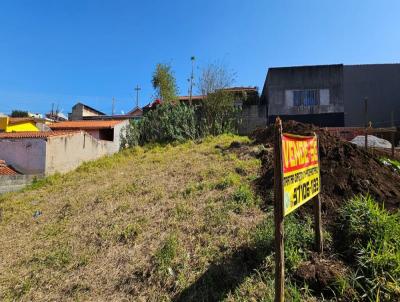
x=64 y=51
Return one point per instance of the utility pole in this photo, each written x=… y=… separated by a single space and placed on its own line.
x=113 y=106
x=137 y=95
x=191 y=80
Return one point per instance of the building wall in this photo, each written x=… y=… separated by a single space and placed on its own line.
x=282 y=84
x=252 y=117
x=79 y=111
x=12 y=183
x=94 y=133
x=65 y=153
x=21 y=127
x=25 y=155
x=380 y=84
x=118 y=130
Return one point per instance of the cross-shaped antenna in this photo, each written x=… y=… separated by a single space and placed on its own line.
x=137 y=95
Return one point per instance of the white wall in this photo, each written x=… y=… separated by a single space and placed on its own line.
x=26 y=155
x=57 y=153
x=118 y=129
x=65 y=153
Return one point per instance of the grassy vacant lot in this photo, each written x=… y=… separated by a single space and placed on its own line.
x=142 y=225
x=183 y=223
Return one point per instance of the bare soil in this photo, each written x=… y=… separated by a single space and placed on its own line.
x=346 y=169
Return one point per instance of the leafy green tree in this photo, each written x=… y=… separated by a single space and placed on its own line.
x=19 y=113
x=164 y=83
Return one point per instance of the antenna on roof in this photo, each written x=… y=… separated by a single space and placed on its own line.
x=191 y=80
x=137 y=95
x=113 y=106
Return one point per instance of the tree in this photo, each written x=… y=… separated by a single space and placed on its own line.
x=218 y=108
x=164 y=83
x=19 y=113
x=215 y=76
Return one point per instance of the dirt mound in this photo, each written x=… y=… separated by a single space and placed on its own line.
x=345 y=169
x=320 y=273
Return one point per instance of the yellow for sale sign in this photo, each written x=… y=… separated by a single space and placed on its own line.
x=301 y=177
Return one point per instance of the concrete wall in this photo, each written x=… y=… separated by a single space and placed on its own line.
x=65 y=153
x=253 y=117
x=118 y=130
x=380 y=83
x=11 y=183
x=281 y=83
x=25 y=155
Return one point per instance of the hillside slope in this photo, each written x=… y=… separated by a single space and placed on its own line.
x=147 y=224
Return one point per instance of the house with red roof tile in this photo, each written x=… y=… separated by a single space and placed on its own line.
x=108 y=130
x=60 y=150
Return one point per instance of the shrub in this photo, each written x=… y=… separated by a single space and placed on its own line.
x=178 y=122
x=373 y=238
x=166 y=123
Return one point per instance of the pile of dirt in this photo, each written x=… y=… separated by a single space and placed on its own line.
x=346 y=169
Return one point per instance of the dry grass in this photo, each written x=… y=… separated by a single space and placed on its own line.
x=143 y=225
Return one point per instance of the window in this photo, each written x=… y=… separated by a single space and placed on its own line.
x=305 y=97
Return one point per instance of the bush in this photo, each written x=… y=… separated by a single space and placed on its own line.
x=177 y=122
x=373 y=236
x=218 y=114
x=164 y=124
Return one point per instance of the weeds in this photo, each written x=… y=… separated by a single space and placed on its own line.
x=129 y=233
x=167 y=253
x=373 y=237
x=92 y=227
x=299 y=238
x=394 y=164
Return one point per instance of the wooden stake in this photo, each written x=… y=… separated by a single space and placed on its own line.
x=366 y=122
x=317 y=214
x=278 y=214
x=318 y=225
x=393 y=133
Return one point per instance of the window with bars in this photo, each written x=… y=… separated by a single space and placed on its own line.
x=305 y=97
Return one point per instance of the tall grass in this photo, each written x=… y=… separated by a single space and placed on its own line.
x=373 y=238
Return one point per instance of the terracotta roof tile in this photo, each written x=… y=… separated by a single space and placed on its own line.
x=34 y=134
x=86 y=124
x=6 y=170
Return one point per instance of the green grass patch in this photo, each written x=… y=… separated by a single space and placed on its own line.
x=227 y=181
x=299 y=239
x=372 y=236
x=166 y=254
x=394 y=164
